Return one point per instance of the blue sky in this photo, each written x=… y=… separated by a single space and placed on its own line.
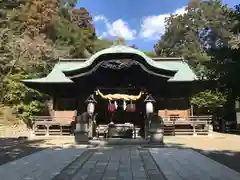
x=140 y=22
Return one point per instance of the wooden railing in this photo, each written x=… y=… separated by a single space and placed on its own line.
x=190 y=118
x=194 y=125
x=53 y=120
x=48 y=125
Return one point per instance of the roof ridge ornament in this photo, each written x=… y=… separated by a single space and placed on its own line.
x=91 y=99
x=119 y=41
x=149 y=98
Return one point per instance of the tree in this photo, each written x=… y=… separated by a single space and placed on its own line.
x=33 y=35
x=205 y=25
x=206 y=35
x=150 y=53
x=208 y=99
x=235 y=41
x=35 y=17
x=134 y=46
x=26 y=102
x=101 y=44
x=68 y=4
x=225 y=65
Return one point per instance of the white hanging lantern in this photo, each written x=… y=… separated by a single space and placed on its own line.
x=237 y=104
x=116 y=105
x=124 y=105
x=90 y=108
x=149 y=107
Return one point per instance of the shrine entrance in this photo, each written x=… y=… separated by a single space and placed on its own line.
x=120 y=80
x=124 y=113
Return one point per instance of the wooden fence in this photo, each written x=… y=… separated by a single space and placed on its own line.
x=48 y=125
x=194 y=125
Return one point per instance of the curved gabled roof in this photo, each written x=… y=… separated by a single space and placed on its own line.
x=56 y=75
x=174 y=69
x=145 y=62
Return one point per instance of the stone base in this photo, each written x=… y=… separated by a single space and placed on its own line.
x=81 y=138
x=156 y=137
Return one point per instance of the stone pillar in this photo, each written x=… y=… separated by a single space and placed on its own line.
x=156 y=136
x=210 y=129
x=146 y=122
x=81 y=131
x=156 y=130
x=90 y=128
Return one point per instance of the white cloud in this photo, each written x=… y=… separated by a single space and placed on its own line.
x=98 y=18
x=117 y=28
x=103 y=35
x=153 y=27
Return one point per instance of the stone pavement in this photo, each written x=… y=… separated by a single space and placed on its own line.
x=187 y=164
x=43 y=165
x=116 y=163
x=119 y=162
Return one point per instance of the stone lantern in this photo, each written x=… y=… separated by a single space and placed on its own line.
x=149 y=110
x=83 y=129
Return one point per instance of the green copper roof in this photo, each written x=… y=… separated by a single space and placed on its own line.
x=184 y=72
x=118 y=49
x=182 y=69
x=56 y=75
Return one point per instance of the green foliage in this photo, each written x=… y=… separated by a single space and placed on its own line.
x=235 y=41
x=26 y=102
x=34 y=34
x=205 y=25
x=101 y=44
x=150 y=53
x=208 y=99
x=207 y=35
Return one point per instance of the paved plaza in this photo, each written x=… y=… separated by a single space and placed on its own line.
x=116 y=162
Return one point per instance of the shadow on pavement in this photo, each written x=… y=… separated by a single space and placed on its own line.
x=228 y=158
x=15 y=148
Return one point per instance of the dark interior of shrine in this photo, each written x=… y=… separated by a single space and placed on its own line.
x=131 y=80
x=115 y=80
x=120 y=116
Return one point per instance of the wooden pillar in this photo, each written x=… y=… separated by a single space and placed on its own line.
x=210 y=129
x=33 y=130
x=191 y=111
x=61 y=130
x=48 y=127
x=194 y=128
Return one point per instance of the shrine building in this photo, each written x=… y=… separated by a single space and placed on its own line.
x=119 y=79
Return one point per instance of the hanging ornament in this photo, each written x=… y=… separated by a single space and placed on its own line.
x=111 y=107
x=124 y=105
x=116 y=105
x=131 y=107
